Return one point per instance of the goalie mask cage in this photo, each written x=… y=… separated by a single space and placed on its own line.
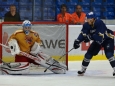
x=54 y=37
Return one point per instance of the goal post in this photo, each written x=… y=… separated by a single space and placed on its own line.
x=54 y=38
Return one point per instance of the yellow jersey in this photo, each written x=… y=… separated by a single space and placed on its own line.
x=25 y=42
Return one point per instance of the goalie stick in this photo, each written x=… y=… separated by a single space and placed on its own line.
x=34 y=58
x=58 y=59
x=24 y=54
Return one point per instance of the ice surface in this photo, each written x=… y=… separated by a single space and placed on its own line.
x=99 y=73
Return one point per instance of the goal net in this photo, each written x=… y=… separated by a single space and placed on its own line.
x=53 y=36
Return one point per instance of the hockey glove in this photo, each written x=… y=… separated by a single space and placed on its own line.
x=14 y=47
x=87 y=39
x=76 y=44
x=98 y=39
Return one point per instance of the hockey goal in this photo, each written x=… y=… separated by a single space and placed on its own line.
x=54 y=38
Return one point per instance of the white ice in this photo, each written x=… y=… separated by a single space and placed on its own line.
x=99 y=73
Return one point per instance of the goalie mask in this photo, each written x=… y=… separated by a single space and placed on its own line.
x=26 y=26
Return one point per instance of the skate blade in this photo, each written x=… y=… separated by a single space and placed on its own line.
x=81 y=74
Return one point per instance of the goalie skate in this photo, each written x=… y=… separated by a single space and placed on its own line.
x=56 y=63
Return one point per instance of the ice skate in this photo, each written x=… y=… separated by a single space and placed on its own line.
x=81 y=72
x=114 y=73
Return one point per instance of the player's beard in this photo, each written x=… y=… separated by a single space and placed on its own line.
x=90 y=22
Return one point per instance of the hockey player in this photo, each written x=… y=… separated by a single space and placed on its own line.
x=95 y=30
x=28 y=41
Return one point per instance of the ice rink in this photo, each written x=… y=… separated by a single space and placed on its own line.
x=99 y=73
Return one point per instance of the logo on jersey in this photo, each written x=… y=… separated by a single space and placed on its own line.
x=108 y=46
x=92 y=31
x=91 y=13
x=35 y=34
x=28 y=39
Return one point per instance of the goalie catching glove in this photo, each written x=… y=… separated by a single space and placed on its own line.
x=14 y=47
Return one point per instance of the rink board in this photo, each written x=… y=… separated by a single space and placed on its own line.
x=53 y=43
x=70 y=58
x=78 y=54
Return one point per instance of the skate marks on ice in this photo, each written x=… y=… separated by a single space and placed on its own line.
x=94 y=76
x=11 y=85
x=71 y=78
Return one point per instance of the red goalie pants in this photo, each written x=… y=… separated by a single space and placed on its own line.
x=24 y=59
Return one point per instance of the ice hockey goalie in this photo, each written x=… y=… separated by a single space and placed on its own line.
x=28 y=41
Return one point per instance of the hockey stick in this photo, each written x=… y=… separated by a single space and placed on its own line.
x=24 y=54
x=58 y=59
x=33 y=57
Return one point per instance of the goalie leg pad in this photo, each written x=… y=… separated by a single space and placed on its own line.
x=22 y=69
x=50 y=60
x=57 y=67
x=42 y=59
x=56 y=63
x=58 y=70
x=54 y=68
x=0 y=69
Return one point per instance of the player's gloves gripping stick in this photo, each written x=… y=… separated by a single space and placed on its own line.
x=76 y=44
x=87 y=39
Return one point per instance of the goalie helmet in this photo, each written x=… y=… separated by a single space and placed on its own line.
x=26 y=23
x=26 y=26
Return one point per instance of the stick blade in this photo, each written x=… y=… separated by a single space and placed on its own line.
x=5 y=38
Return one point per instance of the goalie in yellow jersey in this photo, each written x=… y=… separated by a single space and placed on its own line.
x=28 y=41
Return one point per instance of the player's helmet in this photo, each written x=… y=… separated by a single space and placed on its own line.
x=26 y=24
x=90 y=15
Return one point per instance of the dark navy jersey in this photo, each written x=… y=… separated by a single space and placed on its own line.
x=97 y=32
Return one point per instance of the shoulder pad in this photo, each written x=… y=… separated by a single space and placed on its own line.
x=86 y=23
x=34 y=33
x=86 y=26
x=18 y=31
x=98 y=21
